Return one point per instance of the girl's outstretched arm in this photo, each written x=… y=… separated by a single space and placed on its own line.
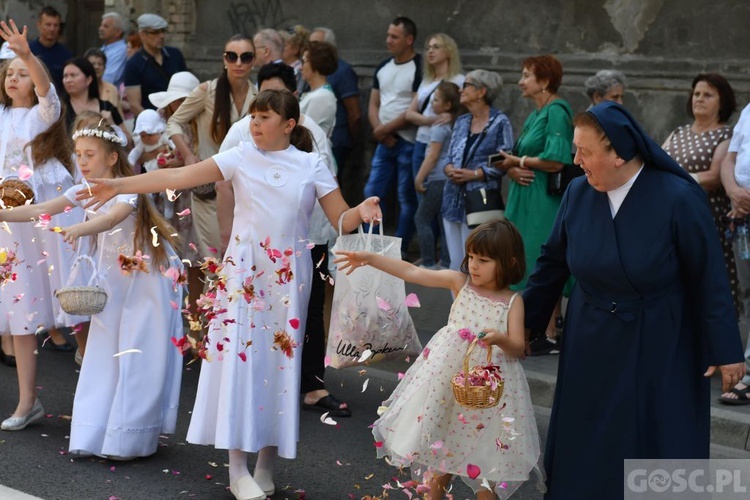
x=97 y=225
x=18 y=43
x=29 y=213
x=350 y=261
x=101 y=191
x=513 y=343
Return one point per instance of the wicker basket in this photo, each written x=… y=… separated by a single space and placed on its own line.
x=476 y=397
x=82 y=300
x=15 y=192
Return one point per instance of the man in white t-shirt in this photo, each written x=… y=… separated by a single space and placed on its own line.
x=735 y=176
x=395 y=82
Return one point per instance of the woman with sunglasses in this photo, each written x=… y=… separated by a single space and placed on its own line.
x=214 y=106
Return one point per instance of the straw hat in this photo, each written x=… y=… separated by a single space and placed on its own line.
x=180 y=85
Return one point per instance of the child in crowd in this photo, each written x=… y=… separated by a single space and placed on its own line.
x=248 y=393
x=152 y=146
x=35 y=149
x=430 y=179
x=422 y=426
x=129 y=385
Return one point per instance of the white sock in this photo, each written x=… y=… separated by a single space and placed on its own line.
x=237 y=465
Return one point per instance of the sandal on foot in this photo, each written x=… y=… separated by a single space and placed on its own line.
x=329 y=404
x=743 y=397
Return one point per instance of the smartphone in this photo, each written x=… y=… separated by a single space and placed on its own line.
x=495 y=158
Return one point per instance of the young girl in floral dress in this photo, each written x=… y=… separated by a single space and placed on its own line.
x=421 y=425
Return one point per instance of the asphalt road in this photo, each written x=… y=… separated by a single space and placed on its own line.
x=334 y=462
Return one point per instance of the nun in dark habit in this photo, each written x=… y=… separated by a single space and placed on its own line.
x=651 y=316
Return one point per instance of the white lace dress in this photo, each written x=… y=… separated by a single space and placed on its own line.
x=28 y=305
x=424 y=428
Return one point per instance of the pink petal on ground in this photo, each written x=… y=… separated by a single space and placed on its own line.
x=412 y=300
x=25 y=173
x=473 y=471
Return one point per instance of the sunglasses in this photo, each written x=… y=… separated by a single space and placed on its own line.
x=245 y=57
x=469 y=84
x=155 y=32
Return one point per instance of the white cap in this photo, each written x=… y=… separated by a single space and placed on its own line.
x=180 y=85
x=6 y=52
x=150 y=122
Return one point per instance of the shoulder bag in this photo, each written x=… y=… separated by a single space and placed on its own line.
x=484 y=204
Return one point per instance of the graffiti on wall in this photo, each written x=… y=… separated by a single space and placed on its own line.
x=249 y=16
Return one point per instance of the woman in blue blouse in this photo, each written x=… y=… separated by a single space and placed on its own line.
x=485 y=130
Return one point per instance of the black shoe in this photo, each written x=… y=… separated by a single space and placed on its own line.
x=7 y=359
x=540 y=345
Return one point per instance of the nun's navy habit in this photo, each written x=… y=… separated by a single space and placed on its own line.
x=651 y=310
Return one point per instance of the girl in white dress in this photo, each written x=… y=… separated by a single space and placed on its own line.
x=248 y=393
x=34 y=148
x=421 y=425
x=128 y=388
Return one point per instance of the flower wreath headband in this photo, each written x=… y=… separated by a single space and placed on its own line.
x=101 y=134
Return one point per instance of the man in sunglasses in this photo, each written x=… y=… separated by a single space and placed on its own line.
x=150 y=69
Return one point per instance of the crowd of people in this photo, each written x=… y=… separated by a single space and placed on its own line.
x=229 y=188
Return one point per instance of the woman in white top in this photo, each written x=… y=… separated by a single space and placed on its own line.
x=319 y=60
x=442 y=63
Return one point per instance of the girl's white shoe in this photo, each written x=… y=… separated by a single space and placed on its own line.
x=264 y=478
x=245 y=488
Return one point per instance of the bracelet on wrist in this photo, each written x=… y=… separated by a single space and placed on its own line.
x=521 y=163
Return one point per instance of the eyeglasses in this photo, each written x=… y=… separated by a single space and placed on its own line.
x=470 y=84
x=434 y=46
x=245 y=57
x=155 y=32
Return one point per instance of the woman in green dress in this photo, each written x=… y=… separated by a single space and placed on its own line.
x=543 y=147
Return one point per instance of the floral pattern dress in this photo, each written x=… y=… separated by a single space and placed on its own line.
x=423 y=427
x=694 y=152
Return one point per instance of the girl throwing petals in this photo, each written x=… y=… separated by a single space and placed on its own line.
x=129 y=386
x=248 y=393
x=422 y=426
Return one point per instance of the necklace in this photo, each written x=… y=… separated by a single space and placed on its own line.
x=546 y=101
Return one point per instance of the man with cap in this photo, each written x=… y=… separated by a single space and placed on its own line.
x=47 y=47
x=112 y=35
x=149 y=69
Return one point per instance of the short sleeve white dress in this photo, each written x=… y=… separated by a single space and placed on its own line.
x=123 y=403
x=248 y=393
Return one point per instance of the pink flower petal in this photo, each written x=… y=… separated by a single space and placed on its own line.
x=382 y=304
x=184 y=213
x=326 y=361
x=294 y=322
x=25 y=173
x=473 y=471
x=412 y=300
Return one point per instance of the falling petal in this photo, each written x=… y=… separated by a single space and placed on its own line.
x=294 y=322
x=437 y=445
x=171 y=195
x=382 y=304
x=127 y=351
x=115 y=231
x=365 y=356
x=378 y=444
x=184 y=213
x=473 y=471
x=486 y=484
x=382 y=410
x=326 y=361
x=324 y=418
x=364 y=386
x=25 y=173
x=400 y=375
x=412 y=300
x=154 y=237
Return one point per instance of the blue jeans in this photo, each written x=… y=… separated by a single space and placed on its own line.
x=429 y=208
x=387 y=164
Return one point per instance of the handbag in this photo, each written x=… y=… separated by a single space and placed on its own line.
x=483 y=205
x=369 y=320
x=557 y=182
